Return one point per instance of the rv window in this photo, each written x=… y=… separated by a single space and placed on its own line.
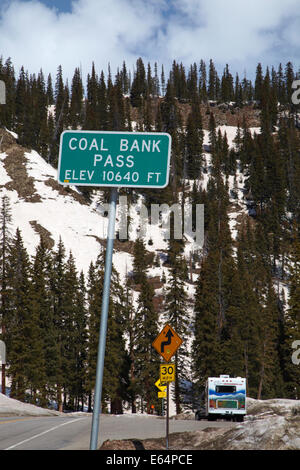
x=225 y=388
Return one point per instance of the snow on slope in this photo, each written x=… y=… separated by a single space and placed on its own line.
x=12 y=407
x=62 y=216
x=79 y=225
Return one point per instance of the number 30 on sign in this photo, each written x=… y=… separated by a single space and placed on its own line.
x=167 y=372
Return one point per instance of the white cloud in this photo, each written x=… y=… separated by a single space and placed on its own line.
x=96 y=30
x=234 y=32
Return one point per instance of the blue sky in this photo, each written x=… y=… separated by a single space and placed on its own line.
x=60 y=5
x=44 y=33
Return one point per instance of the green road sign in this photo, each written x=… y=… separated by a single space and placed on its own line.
x=125 y=159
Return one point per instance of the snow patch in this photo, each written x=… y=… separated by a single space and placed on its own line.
x=12 y=407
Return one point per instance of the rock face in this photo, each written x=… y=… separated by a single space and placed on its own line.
x=273 y=433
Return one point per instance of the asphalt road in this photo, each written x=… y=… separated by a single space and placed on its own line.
x=73 y=432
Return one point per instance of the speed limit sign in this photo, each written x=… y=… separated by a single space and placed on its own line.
x=167 y=372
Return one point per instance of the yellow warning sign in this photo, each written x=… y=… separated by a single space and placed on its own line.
x=167 y=342
x=167 y=373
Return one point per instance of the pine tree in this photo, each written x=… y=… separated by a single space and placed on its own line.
x=260 y=333
x=176 y=315
x=289 y=78
x=146 y=357
x=22 y=103
x=38 y=335
x=18 y=324
x=227 y=85
x=163 y=81
x=203 y=83
x=258 y=93
x=61 y=107
x=69 y=332
x=42 y=275
x=144 y=330
x=249 y=314
x=102 y=103
x=194 y=141
x=281 y=86
x=156 y=85
x=172 y=124
x=91 y=111
x=116 y=114
x=150 y=87
x=192 y=83
x=293 y=319
x=212 y=91
x=49 y=92
x=267 y=348
x=206 y=348
x=116 y=361
x=58 y=303
x=131 y=329
x=80 y=345
x=125 y=79
x=139 y=84
x=239 y=95
x=94 y=307
x=116 y=372
x=212 y=133
x=76 y=104
x=59 y=98
x=5 y=240
x=7 y=112
x=213 y=288
x=257 y=178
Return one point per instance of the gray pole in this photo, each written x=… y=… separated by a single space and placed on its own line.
x=167 y=418
x=104 y=314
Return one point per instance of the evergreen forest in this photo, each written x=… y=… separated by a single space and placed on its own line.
x=243 y=321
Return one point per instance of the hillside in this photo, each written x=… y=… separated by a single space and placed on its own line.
x=37 y=198
x=42 y=207
x=234 y=301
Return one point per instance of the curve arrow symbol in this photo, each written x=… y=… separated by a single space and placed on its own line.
x=168 y=335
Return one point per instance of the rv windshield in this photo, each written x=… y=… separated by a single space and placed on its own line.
x=225 y=388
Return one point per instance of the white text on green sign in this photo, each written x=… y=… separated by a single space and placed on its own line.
x=125 y=159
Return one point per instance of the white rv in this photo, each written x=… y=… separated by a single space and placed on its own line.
x=225 y=397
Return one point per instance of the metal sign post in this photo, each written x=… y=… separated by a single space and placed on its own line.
x=115 y=159
x=167 y=421
x=166 y=344
x=167 y=375
x=2 y=365
x=104 y=315
x=2 y=353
